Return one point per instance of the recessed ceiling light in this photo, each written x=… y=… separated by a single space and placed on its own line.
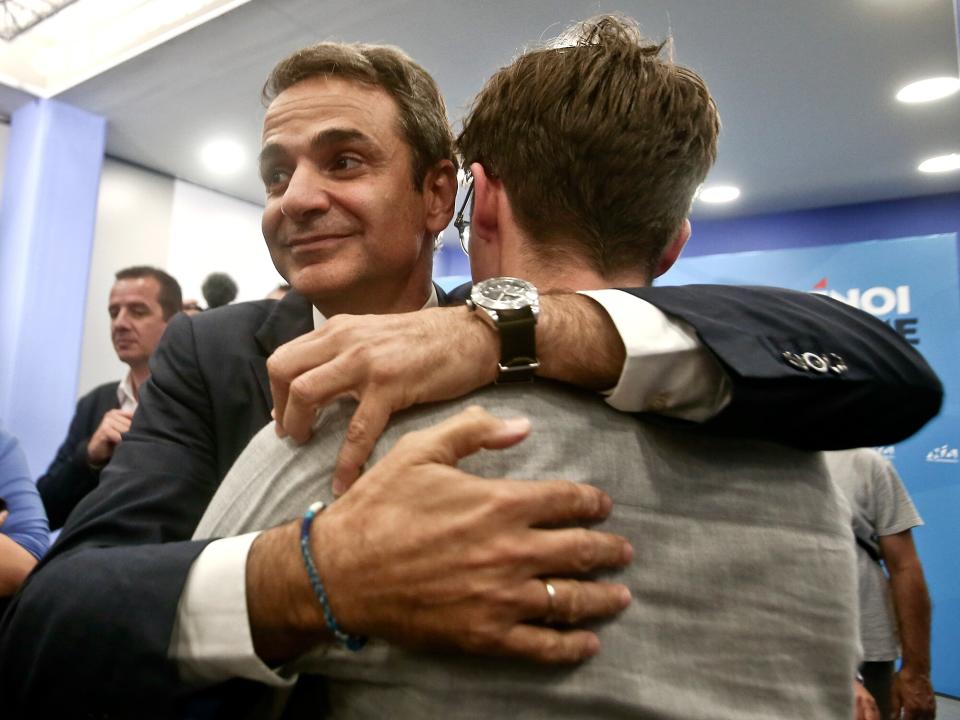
x=223 y=156
x=940 y=164
x=928 y=90
x=717 y=194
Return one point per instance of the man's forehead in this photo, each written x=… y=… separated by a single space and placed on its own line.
x=127 y=290
x=316 y=99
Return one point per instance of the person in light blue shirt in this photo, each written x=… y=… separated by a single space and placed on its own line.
x=24 y=532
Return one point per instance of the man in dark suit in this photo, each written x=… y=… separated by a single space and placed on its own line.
x=358 y=167
x=142 y=301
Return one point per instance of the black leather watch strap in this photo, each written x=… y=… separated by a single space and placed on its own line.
x=518 y=345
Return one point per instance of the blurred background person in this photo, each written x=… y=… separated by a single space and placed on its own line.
x=24 y=533
x=191 y=306
x=279 y=292
x=894 y=602
x=142 y=301
x=219 y=289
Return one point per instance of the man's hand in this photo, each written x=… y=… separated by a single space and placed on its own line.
x=424 y=555
x=107 y=437
x=388 y=363
x=911 y=688
x=864 y=706
x=914 y=694
x=391 y=362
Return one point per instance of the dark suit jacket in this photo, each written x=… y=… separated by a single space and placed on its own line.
x=91 y=628
x=69 y=478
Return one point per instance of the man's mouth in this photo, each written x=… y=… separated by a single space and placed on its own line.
x=315 y=242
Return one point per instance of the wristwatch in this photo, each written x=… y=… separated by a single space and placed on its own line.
x=511 y=306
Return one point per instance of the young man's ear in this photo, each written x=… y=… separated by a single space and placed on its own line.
x=485 y=216
x=674 y=248
x=439 y=196
x=485 y=239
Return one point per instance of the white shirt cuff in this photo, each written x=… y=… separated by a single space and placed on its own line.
x=211 y=639
x=668 y=370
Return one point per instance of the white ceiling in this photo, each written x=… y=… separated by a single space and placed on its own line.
x=805 y=87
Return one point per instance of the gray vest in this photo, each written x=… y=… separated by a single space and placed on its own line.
x=743 y=580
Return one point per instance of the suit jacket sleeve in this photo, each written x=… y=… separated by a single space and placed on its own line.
x=91 y=627
x=69 y=477
x=886 y=393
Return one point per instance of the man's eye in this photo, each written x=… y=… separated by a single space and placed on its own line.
x=275 y=178
x=346 y=162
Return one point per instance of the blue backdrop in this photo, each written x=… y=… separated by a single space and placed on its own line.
x=911 y=283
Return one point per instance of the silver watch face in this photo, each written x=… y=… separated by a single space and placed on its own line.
x=505 y=293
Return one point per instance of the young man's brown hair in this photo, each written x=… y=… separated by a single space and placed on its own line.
x=422 y=113
x=600 y=144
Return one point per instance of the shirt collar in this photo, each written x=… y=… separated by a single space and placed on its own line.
x=125 y=394
x=432 y=301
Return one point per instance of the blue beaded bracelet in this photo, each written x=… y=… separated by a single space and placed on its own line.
x=351 y=642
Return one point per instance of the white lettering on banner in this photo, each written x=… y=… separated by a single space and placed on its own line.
x=944 y=454
x=876 y=300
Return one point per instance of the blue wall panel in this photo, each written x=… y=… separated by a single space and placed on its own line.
x=47 y=219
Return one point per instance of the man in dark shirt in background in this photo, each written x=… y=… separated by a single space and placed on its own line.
x=142 y=301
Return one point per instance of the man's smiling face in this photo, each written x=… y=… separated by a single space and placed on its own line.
x=343 y=221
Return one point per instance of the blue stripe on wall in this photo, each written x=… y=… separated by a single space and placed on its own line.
x=47 y=219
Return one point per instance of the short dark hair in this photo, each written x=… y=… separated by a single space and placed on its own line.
x=422 y=112
x=218 y=289
x=601 y=143
x=170 y=298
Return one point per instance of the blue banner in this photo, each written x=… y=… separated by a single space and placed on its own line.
x=911 y=284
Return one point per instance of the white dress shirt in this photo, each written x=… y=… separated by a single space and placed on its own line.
x=667 y=370
x=126 y=395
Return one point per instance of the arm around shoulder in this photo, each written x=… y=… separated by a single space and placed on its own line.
x=805 y=370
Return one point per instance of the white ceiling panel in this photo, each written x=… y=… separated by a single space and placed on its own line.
x=805 y=87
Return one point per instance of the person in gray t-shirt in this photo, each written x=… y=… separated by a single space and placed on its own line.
x=894 y=604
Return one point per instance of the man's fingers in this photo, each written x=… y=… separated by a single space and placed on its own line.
x=278 y=392
x=311 y=390
x=364 y=430
x=574 y=601
x=576 y=551
x=291 y=360
x=464 y=434
x=560 y=502
x=547 y=645
x=117 y=425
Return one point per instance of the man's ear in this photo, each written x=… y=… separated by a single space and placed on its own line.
x=674 y=248
x=485 y=214
x=439 y=196
x=485 y=238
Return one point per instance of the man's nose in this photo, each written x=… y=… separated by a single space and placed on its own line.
x=121 y=320
x=306 y=194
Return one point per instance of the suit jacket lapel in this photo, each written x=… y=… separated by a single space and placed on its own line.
x=442 y=298
x=290 y=318
x=457 y=296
